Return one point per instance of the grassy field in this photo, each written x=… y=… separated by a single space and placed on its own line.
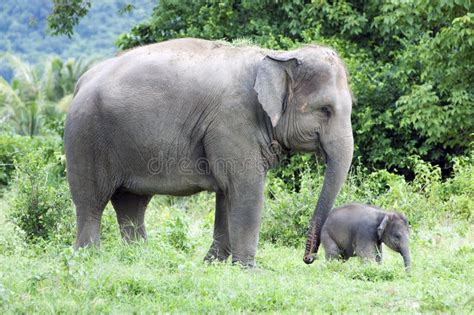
x=157 y=276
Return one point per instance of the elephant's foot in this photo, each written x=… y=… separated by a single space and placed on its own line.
x=217 y=253
x=244 y=260
x=86 y=242
x=132 y=234
x=88 y=231
x=246 y=264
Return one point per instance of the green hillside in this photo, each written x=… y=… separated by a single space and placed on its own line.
x=23 y=29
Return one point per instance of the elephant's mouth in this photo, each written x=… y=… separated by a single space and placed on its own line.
x=320 y=152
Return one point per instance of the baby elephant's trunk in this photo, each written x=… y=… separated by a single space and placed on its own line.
x=406 y=258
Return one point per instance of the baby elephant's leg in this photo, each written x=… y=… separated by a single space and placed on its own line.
x=367 y=251
x=330 y=247
x=378 y=254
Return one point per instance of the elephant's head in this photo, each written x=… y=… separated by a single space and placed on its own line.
x=394 y=232
x=307 y=97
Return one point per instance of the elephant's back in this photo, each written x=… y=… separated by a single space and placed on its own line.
x=194 y=46
x=352 y=214
x=176 y=45
x=355 y=207
x=171 y=70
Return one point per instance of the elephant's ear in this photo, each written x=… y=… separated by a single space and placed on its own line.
x=272 y=83
x=382 y=226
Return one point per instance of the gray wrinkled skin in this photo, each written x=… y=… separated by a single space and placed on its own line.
x=190 y=115
x=360 y=230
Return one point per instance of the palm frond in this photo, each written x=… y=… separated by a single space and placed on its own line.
x=23 y=71
x=34 y=96
x=8 y=95
x=50 y=79
x=63 y=104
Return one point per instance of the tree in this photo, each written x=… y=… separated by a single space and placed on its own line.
x=34 y=92
x=66 y=15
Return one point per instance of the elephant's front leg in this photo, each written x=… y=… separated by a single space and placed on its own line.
x=379 y=254
x=244 y=215
x=366 y=250
x=220 y=249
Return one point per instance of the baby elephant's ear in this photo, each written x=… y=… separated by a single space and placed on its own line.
x=382 y=226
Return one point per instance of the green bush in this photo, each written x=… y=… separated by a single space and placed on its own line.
x=458 y=191
x=10 y=147
x=177 y=233
x=13 y=147
x=41 y=207
x=173 y=219
x=288 y=208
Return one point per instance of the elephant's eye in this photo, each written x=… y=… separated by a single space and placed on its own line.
x=325 y=110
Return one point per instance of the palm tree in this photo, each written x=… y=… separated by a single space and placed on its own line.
x=60 y=77
x=22 y=99
x=34 y=92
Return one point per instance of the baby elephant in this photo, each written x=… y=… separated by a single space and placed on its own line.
x=359 y=230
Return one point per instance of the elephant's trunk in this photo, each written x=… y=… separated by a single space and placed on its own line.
x=406 y=258
x=338 y=160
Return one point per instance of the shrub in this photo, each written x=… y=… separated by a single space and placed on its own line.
x=10 y=146
x=177 y=233
x=13 y=147
x=458 y=191
x=173 y=220
x=41 y=207
x=288 y=209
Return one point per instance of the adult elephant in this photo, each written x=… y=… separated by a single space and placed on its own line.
x=189 y=115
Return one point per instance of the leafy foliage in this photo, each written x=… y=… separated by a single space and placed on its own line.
x=13 y=147
x=29 y=102
x=66 y=15
x=411 y=63
x=42 y=206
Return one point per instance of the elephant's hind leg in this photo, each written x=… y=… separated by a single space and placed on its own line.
x=90 y=202
x=88 y=226
x=89 y=216
x=130 y=209
x=220 y=249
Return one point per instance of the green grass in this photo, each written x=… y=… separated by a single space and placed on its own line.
x=156 y=277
